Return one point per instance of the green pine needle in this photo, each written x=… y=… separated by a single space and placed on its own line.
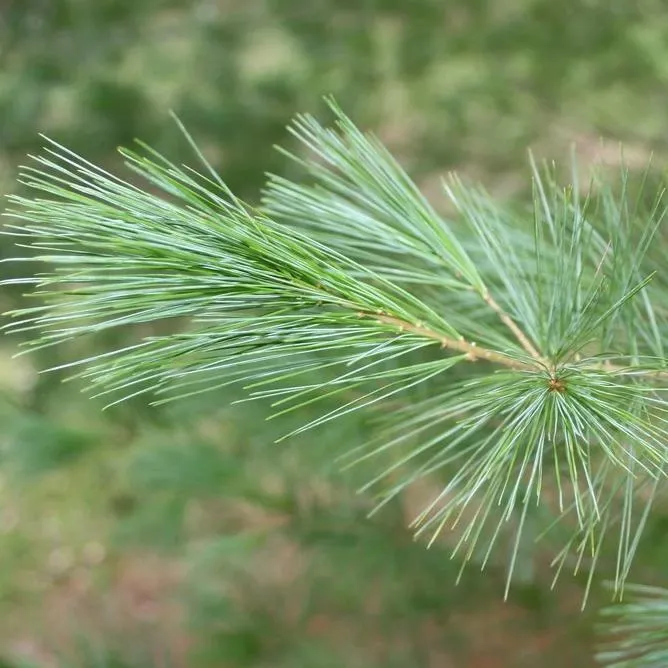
x=526 y=347
x=635 y=632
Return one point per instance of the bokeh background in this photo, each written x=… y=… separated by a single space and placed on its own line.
x=183 y=536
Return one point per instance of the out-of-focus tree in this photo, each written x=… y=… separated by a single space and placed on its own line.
x=463 y=84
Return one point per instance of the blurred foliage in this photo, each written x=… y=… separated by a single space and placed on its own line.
x=184 y=532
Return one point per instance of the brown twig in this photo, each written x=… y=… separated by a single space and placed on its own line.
x=529 y=347
x=616 y=368
x=512 y=326
x=472 y=351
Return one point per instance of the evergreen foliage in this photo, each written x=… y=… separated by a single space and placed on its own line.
x=636 y=632
x=515 y=357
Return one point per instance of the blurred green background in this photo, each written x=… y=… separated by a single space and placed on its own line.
x=183 y=536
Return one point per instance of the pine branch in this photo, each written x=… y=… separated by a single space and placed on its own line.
x=347 y=290
x=475 y=353
x=471 y=350
x=635 y=632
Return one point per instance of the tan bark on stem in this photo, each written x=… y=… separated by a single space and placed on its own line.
x=474 y=352
x=512 y=326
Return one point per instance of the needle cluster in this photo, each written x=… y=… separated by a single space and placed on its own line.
x=515 y=356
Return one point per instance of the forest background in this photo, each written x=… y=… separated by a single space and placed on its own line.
x=184 y=535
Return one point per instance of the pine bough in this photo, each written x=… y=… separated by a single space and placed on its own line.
x=540 y=335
